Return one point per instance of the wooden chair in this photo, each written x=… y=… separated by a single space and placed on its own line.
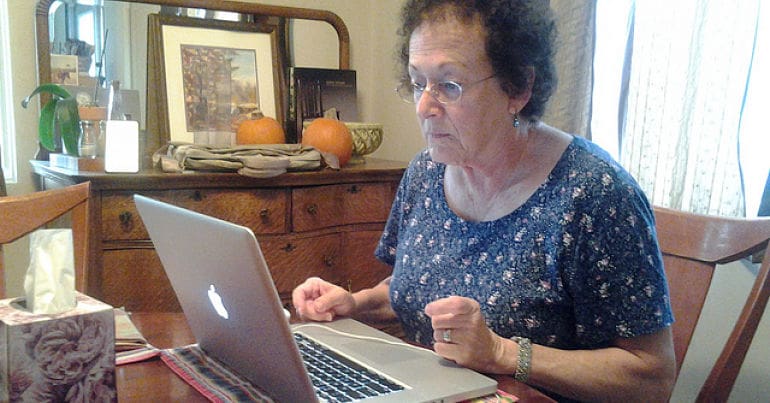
x=692 y=246
x=21 y=215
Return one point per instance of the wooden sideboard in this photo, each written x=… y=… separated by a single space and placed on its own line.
x=322 y=223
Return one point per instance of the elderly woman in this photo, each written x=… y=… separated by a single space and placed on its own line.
x=516 y=248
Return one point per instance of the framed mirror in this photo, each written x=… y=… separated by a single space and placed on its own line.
x=102 y=41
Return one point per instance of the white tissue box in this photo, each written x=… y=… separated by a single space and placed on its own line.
x=68 y=356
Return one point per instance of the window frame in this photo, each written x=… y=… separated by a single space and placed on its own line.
x=7 y=125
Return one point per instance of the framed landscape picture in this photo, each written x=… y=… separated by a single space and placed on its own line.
x=212 y=74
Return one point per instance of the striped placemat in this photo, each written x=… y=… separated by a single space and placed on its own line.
x=218 y=383
x=209 y=377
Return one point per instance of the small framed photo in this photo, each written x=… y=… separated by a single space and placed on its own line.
x=64 y=69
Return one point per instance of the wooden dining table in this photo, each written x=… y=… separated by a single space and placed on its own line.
x=152 y=380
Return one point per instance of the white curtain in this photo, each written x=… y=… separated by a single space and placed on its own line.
x=570 y=106
x=688 y=72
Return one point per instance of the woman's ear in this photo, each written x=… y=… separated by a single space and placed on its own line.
x=518 y=99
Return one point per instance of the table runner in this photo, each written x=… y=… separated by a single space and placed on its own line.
x=209 y=377
x=218 y=383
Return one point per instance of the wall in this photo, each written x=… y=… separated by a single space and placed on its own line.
x=371 y=56
x=372 y=25
x=21 y=17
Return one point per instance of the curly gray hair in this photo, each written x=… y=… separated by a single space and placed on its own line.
x=520 y=39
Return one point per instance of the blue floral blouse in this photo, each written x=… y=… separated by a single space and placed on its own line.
x=576 y=266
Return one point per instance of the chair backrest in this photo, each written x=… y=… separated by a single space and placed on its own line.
x=21 y=215
x=692 y=246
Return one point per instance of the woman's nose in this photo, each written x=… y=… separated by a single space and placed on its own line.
x=428 y=105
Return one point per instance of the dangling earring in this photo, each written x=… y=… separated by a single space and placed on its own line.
x=515 y=119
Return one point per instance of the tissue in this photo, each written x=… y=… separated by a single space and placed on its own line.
x=50 y=280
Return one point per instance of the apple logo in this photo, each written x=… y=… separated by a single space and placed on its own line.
x=216 y=301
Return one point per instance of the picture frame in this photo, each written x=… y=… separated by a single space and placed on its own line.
x=207 y=75
x=64 y=69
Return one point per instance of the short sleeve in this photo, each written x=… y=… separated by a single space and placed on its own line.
x=618 y=284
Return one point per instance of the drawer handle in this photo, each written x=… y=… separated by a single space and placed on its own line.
x=125 y=219
x=312 y=209
x=354 y=189
x=197 y=196
x=329 y=261
x=264 y=214
x=289 y=247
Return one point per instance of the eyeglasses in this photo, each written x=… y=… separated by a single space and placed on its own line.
x=446 y=92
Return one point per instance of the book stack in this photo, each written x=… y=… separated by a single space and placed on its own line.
x=130 y=344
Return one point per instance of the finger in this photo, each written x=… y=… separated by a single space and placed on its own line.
x=437 y=307
x=304 y=296
x=456 y=314
x=327 y=301
x=445 y=335
x=446 y=350
x=451 y=305
x=313 y=313
x=301 y=294
x=441 y=322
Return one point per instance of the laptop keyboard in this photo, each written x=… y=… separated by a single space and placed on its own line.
x=338 y=379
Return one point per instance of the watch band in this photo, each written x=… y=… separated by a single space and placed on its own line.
x=524 y=361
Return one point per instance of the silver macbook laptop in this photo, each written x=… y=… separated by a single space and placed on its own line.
x=225 y=289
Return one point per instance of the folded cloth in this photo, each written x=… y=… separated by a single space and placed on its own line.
x=262 y=166
x=211 y=378
x=258 y=160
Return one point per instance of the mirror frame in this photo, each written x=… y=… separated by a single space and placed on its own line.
x=155 y=138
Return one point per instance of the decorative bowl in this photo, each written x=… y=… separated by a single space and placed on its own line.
x=367 y=137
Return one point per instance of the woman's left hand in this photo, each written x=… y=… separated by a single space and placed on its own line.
x=462 y=335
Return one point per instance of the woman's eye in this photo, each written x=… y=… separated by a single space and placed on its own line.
x=449 y=87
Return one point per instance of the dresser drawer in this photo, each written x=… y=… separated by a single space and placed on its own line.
x=292 y=259
x=343 y=258
x=265 y=211
x=361 y=269
x=135 y=279
x=327 y=206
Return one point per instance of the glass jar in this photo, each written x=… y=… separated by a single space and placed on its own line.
x=88 y=144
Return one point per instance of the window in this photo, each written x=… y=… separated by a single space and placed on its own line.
x=678 y=95
x=78 y=29
x=7 y=131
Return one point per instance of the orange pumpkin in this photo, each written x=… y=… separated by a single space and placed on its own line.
x=264 y=130
x=331 y=136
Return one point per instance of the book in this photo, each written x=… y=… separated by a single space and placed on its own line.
x=130 y=343
x=316 y=92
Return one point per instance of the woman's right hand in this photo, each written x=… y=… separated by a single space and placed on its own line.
x=320 y=300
